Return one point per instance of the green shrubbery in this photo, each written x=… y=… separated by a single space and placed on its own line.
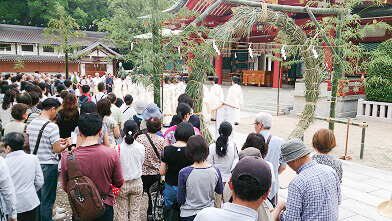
x=378 y=84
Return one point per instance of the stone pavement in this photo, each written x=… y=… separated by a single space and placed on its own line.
x=363 y=188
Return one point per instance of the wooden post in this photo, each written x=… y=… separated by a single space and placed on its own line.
x=346 y=157
x=218 y=67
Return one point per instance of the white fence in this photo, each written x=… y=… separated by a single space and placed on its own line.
x=371 y=110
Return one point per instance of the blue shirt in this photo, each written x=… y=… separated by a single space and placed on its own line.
x=229 y=211
x=273 y=156
x=313 y=195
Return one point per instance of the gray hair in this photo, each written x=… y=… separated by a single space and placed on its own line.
x=265 y=119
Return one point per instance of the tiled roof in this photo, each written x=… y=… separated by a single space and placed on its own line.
x=29 y=34
x=34 y=58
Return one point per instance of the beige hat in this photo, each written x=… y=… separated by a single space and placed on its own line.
x=385 y=208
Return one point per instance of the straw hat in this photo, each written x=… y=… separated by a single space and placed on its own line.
x=385 y=208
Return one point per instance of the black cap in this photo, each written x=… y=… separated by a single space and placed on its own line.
x=255 y=167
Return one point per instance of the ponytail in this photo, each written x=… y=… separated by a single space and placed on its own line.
x=225 y=130
x=9 y=98
x=131 y=131
x=221 y=145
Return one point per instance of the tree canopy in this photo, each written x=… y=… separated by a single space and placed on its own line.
x=39 y=12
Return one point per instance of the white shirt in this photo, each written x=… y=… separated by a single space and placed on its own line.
x=229 y=211
x=223 y=163
x=27 y=177
x=5 y=115
x=132 y=159
x=7 y=191
x=127 y=113
x=98 y=97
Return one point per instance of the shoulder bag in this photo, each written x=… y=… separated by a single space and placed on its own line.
x=84 y=198
x=39 y=137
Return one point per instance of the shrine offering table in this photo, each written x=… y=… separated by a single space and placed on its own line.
x=254 y=77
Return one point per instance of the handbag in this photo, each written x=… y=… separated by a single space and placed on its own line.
x=26 y=145
x=156 y=191
x=157 y=199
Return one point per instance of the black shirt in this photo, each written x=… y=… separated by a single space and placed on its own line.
x=66 y=126
x=175 y=159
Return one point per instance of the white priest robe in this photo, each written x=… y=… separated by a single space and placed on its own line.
x=235 y=98
x=206 y=104
x=167 y=109
x=118 y=88
x=216 y=98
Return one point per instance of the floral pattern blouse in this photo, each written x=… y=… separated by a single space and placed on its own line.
x=110 y=123
x=329 y=160
x=151 y=161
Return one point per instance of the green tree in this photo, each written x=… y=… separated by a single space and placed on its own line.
x=64 y=34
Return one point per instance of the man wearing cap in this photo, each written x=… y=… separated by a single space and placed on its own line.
x=250 y=183
x=314 y=194
x=263 y=124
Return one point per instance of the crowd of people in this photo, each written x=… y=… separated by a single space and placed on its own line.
x=110 y=148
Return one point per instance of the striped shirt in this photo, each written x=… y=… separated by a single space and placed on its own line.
x=51 y=135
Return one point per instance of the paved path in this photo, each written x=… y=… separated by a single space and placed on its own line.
x=363 y=189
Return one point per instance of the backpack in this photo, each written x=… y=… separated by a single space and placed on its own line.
x=83 y=196
x=82 y=101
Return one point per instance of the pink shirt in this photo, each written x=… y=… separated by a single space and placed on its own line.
x=99 y=163
x=169 y=134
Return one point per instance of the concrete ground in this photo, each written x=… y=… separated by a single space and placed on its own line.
x=363 y=187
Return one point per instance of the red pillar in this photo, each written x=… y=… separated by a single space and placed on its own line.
x=277 y=73
x=218 y=67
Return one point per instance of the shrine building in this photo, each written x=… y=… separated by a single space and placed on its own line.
x=25 y=49
x=262 y=70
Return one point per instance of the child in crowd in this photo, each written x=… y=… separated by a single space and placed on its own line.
x=198 y=183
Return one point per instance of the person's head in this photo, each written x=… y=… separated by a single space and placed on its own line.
x=128 y=99
x=59 y=76
x=90 y=125
x=256 y=141
x=42 y=85
x=184 y=131
x=68 y=83
x=88 y=107
x=176 y=120
x=263 y=121
x=152 y=110
x=85 y=89
x=225 y=130
x=196 y=149
x=112 y=98
x=34 y=98
x=216 y=80
x=119 y=102
x=7 y=76
x=184 y=111
x=19 y=112
x=63 y=94
x=185 y=98
x=324 y=140
x=236 y=79
x=103 y=107
x=154 y=125
x=97 y=75
x=50 y=107
x=13 y=142
x=24 y=98
x=101 y=87
x=295 y=153
x=18 y=77
x=60 y=88
x=131 y=131
x=13 y=79
x=9 y=98
x=251 y=181
x=69 y=106
x=37 y=90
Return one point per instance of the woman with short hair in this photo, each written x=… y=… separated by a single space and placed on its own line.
x=323 y=142
x=151 y=141
x=26 y=174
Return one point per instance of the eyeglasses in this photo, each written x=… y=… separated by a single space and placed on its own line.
x=255 y=123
